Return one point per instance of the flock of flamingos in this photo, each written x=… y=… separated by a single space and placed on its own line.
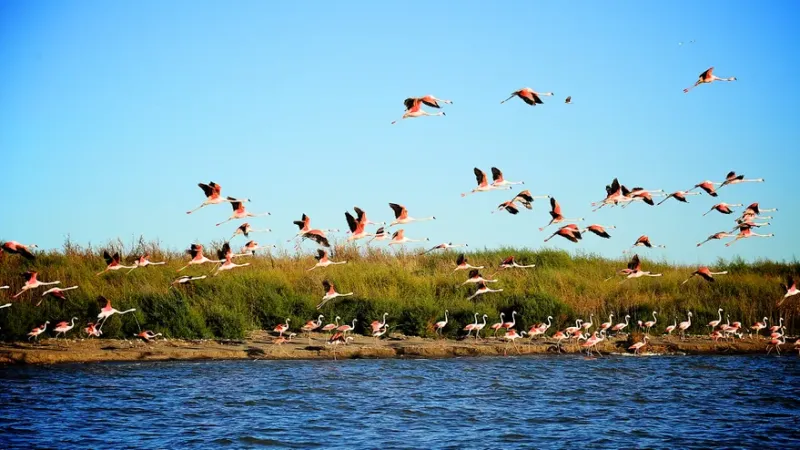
x=748 y=220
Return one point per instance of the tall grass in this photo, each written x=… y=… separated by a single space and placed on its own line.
x=415 y=290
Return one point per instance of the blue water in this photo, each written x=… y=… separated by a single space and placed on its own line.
x=559 y=402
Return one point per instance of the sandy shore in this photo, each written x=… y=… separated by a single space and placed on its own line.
x=261 y=346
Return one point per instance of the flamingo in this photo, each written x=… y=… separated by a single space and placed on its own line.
x=577 y=327
x=529 y=96
x=683 y=326
x=705 y=273
x=716 y=236
x=439 y=326
x=708 y=187
x=589 y=324
x=245 y=229
x=508 y=206
x=64 y=327
x=498 y=325
x=282 y=328
x=185 y=279
x=498 y=180
x=312 y=325
x=431 y=101
x=213 y=193
x=475 y=277
x=196 y=252
x=376 y=325
x=399 y=238
x=317 y=236
x=356 y=227
x=330 y=293
x=380 y=235
x=568 y=100
x=113 y=263
x=361 y=216
x=5 y=287
x=338 y=339
x=483 y=184
x=148 y=335
x=748 y=233
x=239 y=211
x=732 y=178
x=714 y=323
x=671 y=328
x=679 y=196
x=777 y=328
x=323 y=261
x=347 y=328
x=634 y=268
x=479 y=327
x=606 y=325
x=144 y=261
x=512 y=336
x=754 y=210
x=251 y=247
x=621 y=326
x=559 y=336
x=642 y=195
x=379 y=332
x=92 y=331
x=707 y=77
x=7 y=305
x=57 y=293
x=31 y=282
x=414 y=109
x=471 y=326
x=724 y=208
x=304 y=224
x=775 y=343
x=34 y=333
x=791 y=289
x=651 y=323
x=444 y=246
x=638 y=346
x=570 y=232
x=644 y=241
x=226 y=255
x=511 y=263
x=401 y=215
x=332 y=326
x=462 y=264
x=599 y=230
x=510 y=325
x=591 y=344
x=15 y=248
x=615 y=193
x=108 y=311
x=525 y=198
x=482 y=289
x=541 y=328
x=758 y=326
x=555 y=213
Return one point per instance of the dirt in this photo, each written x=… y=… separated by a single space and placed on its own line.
x=261 y=345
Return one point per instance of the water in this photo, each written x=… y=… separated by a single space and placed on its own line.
x=614 y=401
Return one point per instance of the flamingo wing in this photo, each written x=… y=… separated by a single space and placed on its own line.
x=207 y=190
x=480 y=176
x=705 y=76
x=320 y=254
x=107 y=256
x=634 y=263
x=399 y=210
x=497 y=175
x=351 y=222
x=428 y=100
x=462 y=258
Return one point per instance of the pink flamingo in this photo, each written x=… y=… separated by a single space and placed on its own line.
x=638 y=346
x=213 y=193
x=324 y=261
x=239 y=211
x=439 y=326
x=556 y=216
x=14 y=247
x=64 y=327
x=401 y=216
x=414 y=109
x=529 y=96
x=113 y=263
x=707 y=77
x=31 y=282
x=705 y=273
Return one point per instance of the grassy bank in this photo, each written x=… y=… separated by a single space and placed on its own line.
x=414 y=290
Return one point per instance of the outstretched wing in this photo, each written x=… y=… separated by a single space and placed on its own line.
x=480 y=176
x=207 y=190
x=107 y=257
x=473 y=273
x=351 y=222
x=398 y=209
x=462 y=258
x=497 y=175
x=320 y=255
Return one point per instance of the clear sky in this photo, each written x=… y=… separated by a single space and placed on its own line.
x=112 y=112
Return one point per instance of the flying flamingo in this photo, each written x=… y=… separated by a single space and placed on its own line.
x=64 y=327
x=642 y=195
x=377 y=325
x=108 y=311
x=187 y=279
x=483 y=184
x=332 y=326
x=599 y=230
x=708 y=187
x=707 y=77
x=148 y=335
x=324 y=261
x=444 y=246
x=239 y=211
x=498 y=180
x=791 y=289
x=429 y=100
x=225 y=254
x=57 y=293
x=15 y=247
x=144 y=261
x=753 y=212
x=638 y=346
x=37 y=331
x=705 y=273
x=399 y=238
x=304 y=224
x=525 y=198
x=672 y=327
x=644 y=241
x=615 y=193
x=508 y=206
x=475 y=277
x=401 y=215
x=361 y=216
x=251 y=247
x=317 y=236
x=498 y=325
x=511 y=263
x=414 y=109
x=479 y=327
x=356 y=227
x=282 y=328
x=213 y=193
x=113 y=263
x=732 y=178
x=679 y=196
x=529 y=96
x=439 y=326
x=621 y=326
x=245 y=229
x=683 y=326
x=482 y=289
x=462 y=264
x=635 y=269
x=330 y=293
x=716 y=236
x=31 y=282
x=471 y=326
x=570 y=232
x=748 y=233
x=555 y=213
x=758 y=326
x=724 y=208
x=380 y=235
x=568 y=100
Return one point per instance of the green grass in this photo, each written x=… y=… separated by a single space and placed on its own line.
x=414 y=290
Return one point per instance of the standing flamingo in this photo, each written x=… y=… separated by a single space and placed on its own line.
x=213 y=193
x=679 y=196
x=732 y=178
x=483 y=184
x=714 y=323
x=707 y=77
x=557 y=217
x=330 y=293
x=498 y=325
x=480 y=326
x=482 y=289
x=638 y=346
x=758 y=326
x=705 y=273
x=34 y=333
x=323 y=261
x=668 y=331
x=282 y=328
x=529 y=96
x=347 y=328
x=414 y=109
x=239 y=211
x=683 y=326
x=775 y=344
x=606 y=325
x=651 y=323
x=15 y=247
x=332 y=326
x=471 y=326
x=621 y=326
x=64 y=327
x=401 y=215
x=113 y=263
x=462 y=264
x=510 y=325
x=439 y=326
x=31 y=282
x=377 y=325
x=312 y=325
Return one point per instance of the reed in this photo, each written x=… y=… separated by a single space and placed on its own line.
x=415 y=290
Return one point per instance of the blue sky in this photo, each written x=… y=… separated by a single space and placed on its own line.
x=111 y=113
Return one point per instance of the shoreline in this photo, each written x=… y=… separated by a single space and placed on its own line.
x=261 y=346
